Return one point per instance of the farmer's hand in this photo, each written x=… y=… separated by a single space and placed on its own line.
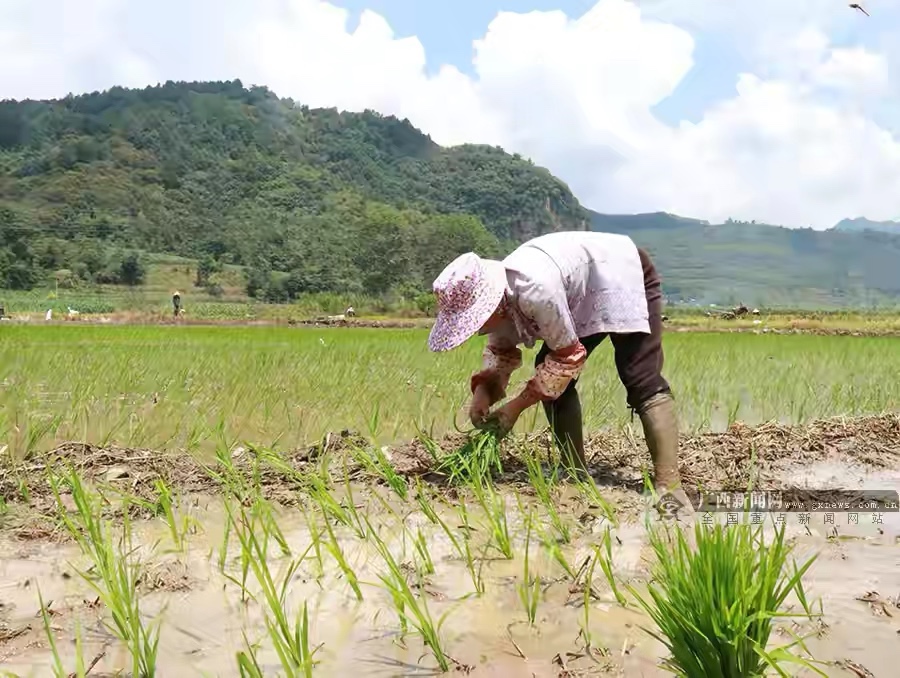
x=480 y=405
x=502 y=419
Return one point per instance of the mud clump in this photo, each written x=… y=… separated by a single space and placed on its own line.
x=332 y=442
x=731 y=457
x=727 y=461
x=129 y=469
x=169 y=576
x=730 y=460
x=417 y=457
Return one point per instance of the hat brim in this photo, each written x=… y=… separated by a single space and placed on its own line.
x=452 y=328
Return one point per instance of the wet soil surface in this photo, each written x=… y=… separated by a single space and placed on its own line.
x=730 y=460
x=856 y=574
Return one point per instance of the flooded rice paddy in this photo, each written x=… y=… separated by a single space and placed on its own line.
x=189 y=578
x=368 y=539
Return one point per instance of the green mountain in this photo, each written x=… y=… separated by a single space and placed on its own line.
x=863 y=224
x=333 y=201
x=763 y=265
x=312 y=200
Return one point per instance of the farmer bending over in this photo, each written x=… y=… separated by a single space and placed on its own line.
x=570 y=290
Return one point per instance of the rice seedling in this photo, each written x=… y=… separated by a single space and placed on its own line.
x=234 y=482
x=289 y=639
x=529 y=588
x=24 y=492
x=398 y=599
x=424 y=561
x=315 y=541
x=80 y=670
x=493 y=506
x=543 y=490
x=51 y=639
x=429 y=443
x=553 y=549
x=474 y=461
x=29 y=430
x=334 y=548
x=352 y=509
x=347 y=515
x=117 y=569
x=588 y=490
x=377 y=463
x=278 y=463
x=410 y=608
x=245 y=557
x=715 y=606
x=248 y=663
x=587 y=592
x=550 y=544
x=223 y=549
x=178 y=530
x=605 y=560
x=425 y=504
x=461 y=546
x=265 y=512
x=464 y=547
x=390 y=512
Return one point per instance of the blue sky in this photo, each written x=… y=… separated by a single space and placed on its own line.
x=448 y=29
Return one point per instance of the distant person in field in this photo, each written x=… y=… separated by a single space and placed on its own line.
x=176 y=303
x=571 y=290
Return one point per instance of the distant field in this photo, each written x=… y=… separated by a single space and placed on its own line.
x=185 y=387
x=152 y=301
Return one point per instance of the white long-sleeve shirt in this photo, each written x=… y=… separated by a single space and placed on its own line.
x=560 y=287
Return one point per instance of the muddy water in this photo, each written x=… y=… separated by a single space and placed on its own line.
x=855 y=559
x=204 y=617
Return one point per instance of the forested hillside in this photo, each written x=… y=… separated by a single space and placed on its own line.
x=764 y=265
x=313 y=200
x=229 y=175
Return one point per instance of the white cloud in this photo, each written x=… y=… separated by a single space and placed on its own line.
x=808 y=60
x=791 y=146
x=52 y=48
x=772 y=155
x=854 y=69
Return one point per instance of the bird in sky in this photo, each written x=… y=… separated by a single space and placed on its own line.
x=855 y=5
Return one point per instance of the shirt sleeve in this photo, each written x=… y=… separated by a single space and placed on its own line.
x=546 y=305
x=500 y=358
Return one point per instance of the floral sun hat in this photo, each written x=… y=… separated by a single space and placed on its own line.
x=468 y=292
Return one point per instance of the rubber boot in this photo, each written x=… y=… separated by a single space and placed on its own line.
x=564 y=415
x=661 y=433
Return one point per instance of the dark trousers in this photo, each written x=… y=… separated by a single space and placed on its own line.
x=639 y=357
